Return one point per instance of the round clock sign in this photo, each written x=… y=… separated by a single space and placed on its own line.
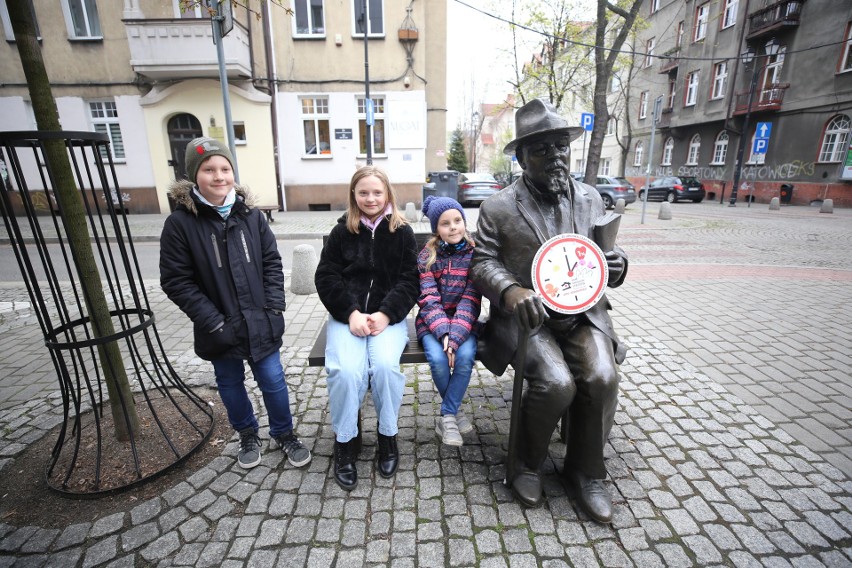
x=569 y=272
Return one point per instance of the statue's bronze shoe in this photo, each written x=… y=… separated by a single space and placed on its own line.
x=527 y=487
x=592 y=496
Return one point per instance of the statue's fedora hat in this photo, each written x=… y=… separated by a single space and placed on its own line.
x=536 y=118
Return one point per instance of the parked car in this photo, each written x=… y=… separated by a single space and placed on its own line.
x=611 y=189
x=475 y=188
x=674 y=189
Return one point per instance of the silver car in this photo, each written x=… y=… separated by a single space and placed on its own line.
x=612 y=189
x=475 y=188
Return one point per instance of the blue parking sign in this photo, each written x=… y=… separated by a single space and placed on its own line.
x=760 y=145
x=587 y=121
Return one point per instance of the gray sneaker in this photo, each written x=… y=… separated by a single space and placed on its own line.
x=446 y=428
x=296 y=452
x=249 y=454
x=462 y=421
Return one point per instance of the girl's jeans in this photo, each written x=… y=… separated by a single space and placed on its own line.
x=269 y=375
x=356 y=363
x=451 y=386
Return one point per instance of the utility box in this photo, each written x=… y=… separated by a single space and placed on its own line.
x=446 y=184
x=786 y=193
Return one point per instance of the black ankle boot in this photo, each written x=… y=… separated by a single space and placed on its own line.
x=345 y=473
x=388 y=455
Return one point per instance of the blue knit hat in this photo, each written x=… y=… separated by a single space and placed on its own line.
x=434 y=206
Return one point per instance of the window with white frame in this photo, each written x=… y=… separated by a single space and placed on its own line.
x=610 y=125
x=315 y=115
x=720 y=149
x=378 y=144
x=720 y=78
x=196 y=9
x=104 y=116
x=649 y=51
x=81 y=17
x=308 y=20
x=835 y=140
x=375 y=18
x=604 y=167
x=643 y=104
x=668 y=150
x=679 y=36
x=729 y=13
x=846 y=53
x=691 y=89
x=702 y=14
x=7 y=21
x=638 y=152
x=579 y=166
x=239 y=133
x=774 y=64
x=694 y=148
x=672 y=91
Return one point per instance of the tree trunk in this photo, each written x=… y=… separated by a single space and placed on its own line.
x=74 y=219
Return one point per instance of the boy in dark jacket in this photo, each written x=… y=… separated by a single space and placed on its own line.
x=219 y=263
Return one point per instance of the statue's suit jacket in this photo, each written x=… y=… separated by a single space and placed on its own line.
x=510 y=230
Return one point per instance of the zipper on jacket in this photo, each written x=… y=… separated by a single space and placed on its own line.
x=372 y=263
x=245 y=246
x=216 y=250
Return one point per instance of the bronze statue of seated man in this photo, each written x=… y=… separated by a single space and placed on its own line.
x=570 y=362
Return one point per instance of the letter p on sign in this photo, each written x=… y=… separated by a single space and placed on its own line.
x=587 y=121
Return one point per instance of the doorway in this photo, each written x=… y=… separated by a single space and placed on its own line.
x=182 y=128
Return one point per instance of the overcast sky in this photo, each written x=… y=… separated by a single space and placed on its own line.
x=479 y=60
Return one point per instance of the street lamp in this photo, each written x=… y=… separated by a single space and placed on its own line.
x=748 y=57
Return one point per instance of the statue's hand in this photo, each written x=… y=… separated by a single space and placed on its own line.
x=526 y=305
x=615 y=265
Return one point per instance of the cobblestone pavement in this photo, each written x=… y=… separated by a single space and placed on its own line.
x=732 y=444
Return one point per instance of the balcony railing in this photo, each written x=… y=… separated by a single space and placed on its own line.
x=184 y=48
x=669 y=61
x=780 y=14
x=768 y=99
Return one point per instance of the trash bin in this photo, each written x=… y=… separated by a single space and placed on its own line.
x=786 y=193
x=446 y=183
x=428 y=189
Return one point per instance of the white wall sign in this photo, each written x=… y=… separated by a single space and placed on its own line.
x=406 y=124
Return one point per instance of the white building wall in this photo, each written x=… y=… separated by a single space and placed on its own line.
x=405 y=127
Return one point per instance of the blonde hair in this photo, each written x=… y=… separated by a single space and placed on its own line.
x=432 y=247
x=353 y=217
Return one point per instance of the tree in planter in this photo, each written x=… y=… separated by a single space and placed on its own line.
x=457 y=160
x=74 y=220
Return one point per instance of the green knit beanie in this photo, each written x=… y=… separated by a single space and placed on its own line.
x=202 y=148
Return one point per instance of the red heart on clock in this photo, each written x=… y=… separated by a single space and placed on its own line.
x=580 y=252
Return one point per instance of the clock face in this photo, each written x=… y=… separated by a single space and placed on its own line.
x=569 y=272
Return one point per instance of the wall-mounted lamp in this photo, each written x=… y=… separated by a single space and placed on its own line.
x=406 y=81
x=212 y=121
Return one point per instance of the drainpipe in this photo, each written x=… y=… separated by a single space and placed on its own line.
x=268 y=40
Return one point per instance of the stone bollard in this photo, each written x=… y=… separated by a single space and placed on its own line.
x=411 y=214
x=304 y=267
x=774 y=204
x=827 y=206
x=665 y=211
x=619 y=206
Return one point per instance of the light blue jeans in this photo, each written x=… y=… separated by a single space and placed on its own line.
x=357 y=363
x=451 y=386
x=269 y=376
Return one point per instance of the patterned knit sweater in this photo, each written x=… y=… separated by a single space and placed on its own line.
x=449 y=303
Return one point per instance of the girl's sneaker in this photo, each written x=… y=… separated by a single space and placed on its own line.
x=446 y=428
x=462 y=421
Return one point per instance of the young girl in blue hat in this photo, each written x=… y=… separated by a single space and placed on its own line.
x=449 y=309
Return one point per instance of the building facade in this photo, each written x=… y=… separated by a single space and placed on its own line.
x=146 y=73
x=778 y=70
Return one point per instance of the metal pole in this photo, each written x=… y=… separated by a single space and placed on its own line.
x=368 y=104
x=658 y=104
x=738 y=166
x=223 y=81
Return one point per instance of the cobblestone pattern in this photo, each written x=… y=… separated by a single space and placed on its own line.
x=698 y=478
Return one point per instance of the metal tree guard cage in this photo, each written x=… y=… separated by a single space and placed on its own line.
x=174 y=422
